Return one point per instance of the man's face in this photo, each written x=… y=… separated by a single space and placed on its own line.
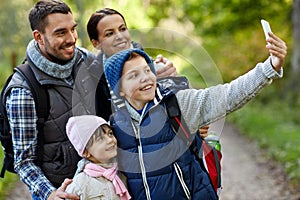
x=113 y=35
x=138 y=82
x=57 y=43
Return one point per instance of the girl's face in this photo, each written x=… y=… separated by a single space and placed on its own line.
x=104 y=148
x=138 y=82
x=113 y=35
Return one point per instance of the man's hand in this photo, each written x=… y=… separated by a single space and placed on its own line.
x=204 y=131
x=277 y=49
x=60 y=192
x=167 y=70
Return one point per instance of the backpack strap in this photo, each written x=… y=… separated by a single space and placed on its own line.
x=218 y=166
x=40 y=96
x=179 y=125
x=5 y=133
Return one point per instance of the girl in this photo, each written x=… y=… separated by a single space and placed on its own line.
x=94 y=140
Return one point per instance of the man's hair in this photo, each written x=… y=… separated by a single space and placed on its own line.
x=39 y=12
x=96 y=17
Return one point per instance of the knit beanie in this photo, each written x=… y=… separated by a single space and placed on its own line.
x=113 y=67
x=80 y=129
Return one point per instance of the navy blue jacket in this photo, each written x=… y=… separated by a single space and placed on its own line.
x=157 y=164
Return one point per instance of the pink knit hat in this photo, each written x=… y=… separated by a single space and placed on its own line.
x=81 y=128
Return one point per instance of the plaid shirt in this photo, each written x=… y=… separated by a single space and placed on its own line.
x=22 y=117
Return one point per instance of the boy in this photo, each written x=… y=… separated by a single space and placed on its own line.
x=94 y=140
x=156 y=163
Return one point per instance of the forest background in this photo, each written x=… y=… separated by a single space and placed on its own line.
x=210 y=42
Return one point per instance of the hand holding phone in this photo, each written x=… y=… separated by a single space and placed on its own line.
x=277 y=46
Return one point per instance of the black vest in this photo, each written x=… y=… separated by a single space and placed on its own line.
x=59 y=156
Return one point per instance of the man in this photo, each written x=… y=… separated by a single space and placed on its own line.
x=54 y=59
x=56 y=63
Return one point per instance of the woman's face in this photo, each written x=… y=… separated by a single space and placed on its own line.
x=113 y=35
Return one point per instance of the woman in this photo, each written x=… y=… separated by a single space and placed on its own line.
x=108 y=33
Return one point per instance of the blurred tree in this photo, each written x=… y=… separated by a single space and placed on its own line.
x=294 y=83
x=229 y=30
x=15 y=32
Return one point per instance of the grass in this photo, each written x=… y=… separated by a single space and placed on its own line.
x=276 y=129
x=8 y=182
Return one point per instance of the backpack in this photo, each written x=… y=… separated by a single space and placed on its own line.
x=212 y=159
x=41 y=102
x=207 y=155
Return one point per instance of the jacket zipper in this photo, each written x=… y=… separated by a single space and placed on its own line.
x=141 y=160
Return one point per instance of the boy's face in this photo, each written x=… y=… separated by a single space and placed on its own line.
x=138 y=83
x=104 y=148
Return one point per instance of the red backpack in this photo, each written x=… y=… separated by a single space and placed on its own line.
x=212 y=162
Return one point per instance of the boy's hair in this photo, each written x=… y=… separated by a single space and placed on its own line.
x=96 y=17
x=132 y=56
x=38 y=14
x=98 y=133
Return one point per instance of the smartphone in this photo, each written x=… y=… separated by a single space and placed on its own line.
x=266 y=27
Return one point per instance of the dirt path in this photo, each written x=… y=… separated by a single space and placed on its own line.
x=246 y=174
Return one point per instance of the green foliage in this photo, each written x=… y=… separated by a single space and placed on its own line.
x=5 y=71
x=221 y=17
x=8 y=182
x=15 y=34
x=276 y=129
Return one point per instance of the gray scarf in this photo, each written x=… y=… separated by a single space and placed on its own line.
x=48 y=67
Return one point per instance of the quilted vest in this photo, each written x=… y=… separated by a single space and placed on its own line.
x=164 y=157
x=59 y=156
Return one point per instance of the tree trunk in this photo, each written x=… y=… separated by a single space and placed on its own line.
x=13 y=60
x=296 y=38
x=294 y=80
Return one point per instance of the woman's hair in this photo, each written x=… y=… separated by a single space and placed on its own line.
x=98 y=133
x=96 y=18
x=38 y=14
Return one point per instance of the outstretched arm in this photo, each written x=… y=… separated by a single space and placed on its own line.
x=202 y=107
